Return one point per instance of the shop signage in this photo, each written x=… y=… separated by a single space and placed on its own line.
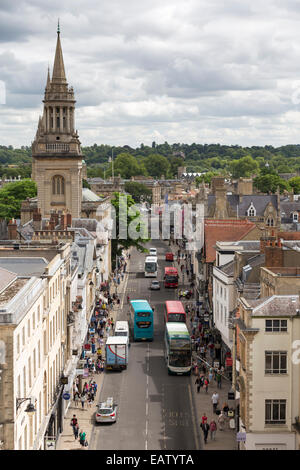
x=228 y=361
x=231 y=396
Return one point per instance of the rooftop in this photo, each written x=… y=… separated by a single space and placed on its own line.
x=26 y=266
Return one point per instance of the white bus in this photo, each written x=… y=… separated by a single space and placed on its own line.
x=151 y=266
x=122 y=329
x=178 y=348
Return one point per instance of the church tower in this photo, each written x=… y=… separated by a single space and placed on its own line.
x=56 y=151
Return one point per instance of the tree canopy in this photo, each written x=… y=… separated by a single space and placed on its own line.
x=11 y=196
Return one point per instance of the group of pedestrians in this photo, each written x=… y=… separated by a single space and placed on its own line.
x=82 y=435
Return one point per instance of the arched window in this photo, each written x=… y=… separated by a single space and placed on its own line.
x=270 y=222
x=58 y=185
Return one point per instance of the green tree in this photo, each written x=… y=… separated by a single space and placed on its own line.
x=243 y=167
x=295 y=184
x=11 y=196
x=138 y=190
x=126 y=165
x=129 y=217
x=270 y=182
x=157 y=165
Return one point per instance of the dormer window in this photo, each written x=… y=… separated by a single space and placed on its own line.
x=251 y=210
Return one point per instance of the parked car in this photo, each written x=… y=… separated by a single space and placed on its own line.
x=107 y=411
x=155 y=285
x=153 y=252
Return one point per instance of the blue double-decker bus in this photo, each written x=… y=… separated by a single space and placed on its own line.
x=141 y=320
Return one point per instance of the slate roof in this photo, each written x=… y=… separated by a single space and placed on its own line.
x=276 y=306
x=260 y=202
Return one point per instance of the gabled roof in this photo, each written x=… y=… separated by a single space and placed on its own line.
x=223 y=230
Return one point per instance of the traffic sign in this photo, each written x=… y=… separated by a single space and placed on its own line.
x=66 y=396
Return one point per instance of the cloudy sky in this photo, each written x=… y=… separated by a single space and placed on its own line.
x=205 y=71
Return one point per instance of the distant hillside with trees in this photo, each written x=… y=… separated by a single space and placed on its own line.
x=163 y=160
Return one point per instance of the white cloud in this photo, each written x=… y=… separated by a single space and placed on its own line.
x=192 y=71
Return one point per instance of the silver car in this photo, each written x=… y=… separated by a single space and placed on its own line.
x=107 y=411
x=155 y=285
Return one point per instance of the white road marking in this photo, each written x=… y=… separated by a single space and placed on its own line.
x=193 y=417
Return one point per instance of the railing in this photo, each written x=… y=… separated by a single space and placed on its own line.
x=57 y=147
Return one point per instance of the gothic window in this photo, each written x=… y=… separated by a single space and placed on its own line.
x=270 y=222
x=58 y=185
x=251 y=211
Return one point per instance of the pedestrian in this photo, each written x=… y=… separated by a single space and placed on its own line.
x=219 y=379
x=89 y=399
x=83 y=400
x=215 y=401
x=221 y=421
x=76 y=431
x=225 y=408
x=82 y=438
x=206 y=382
x=76 y=398
x=74 y=421
x=204 y=418
x=213 y=429
x=198 y=383
x=205 y=429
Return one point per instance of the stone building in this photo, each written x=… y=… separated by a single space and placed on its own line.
x=56 y=151
x=269 y=374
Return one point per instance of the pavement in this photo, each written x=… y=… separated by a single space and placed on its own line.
x=224 y=440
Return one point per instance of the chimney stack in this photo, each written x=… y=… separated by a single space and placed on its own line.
x=12 y=229
x=37 y=220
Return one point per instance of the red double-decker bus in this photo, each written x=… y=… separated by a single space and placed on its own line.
x=171 y=277
x=174 y=311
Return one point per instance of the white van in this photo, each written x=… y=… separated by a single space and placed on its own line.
x=153 y=252
x=122 y=329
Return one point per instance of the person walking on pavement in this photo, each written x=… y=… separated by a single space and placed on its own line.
x=76 y=431
x=204 y=418
x=205 y=429
x=83 y=400
x=221 y=421
x=74 y=423
x=198 y=383
x=219 y=379
x=206 y=382
x=82 y=438
x=215 y=401
x=213 y=429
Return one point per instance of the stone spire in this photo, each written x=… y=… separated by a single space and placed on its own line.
x=58 y=75
x=48 y=84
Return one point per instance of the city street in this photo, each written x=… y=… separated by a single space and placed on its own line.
x=156 y=411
